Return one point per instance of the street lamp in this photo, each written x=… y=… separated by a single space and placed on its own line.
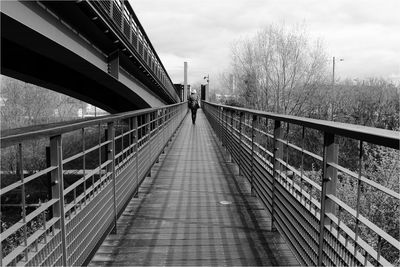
x=333 y=83
x=207 y=78
x=333 y=71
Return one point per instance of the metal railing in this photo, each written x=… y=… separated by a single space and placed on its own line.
x=130 y=28
x=295 y=168
x=93 y=168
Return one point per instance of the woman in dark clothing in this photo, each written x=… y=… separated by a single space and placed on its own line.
x=193 y=104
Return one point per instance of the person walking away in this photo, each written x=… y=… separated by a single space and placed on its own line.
x=193 y=105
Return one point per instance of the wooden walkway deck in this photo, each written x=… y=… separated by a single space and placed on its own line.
x=180 y=219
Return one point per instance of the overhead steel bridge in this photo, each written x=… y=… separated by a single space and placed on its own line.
x=96 y=51
x=148 y=187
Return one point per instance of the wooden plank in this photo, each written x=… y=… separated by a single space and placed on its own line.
x=179 y=219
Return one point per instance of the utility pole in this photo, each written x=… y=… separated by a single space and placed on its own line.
x=207 y=78
x=333 y=85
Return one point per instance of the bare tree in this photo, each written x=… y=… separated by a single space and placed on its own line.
x=25 y=104
x=279 y=69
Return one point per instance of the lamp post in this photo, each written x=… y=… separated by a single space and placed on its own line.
x=207 y=78
x=333 y=70
x=333 y=83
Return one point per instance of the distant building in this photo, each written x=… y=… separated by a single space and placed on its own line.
x=91 y=111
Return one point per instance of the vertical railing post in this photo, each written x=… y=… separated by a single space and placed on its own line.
x=223 y=127
x=111 y=156
x=130 y=137
x=57 y=190
x=232 y=112
x=136 y=149
x=48 y=175
x=277 y=154
x=163 y=130
x=83 y=165
x=148 y=130
x=159 y=125
x=253 y=125
x=220 y=124
x=23 y=200
x=329 y=181
x=359 y=184
x=240 y=163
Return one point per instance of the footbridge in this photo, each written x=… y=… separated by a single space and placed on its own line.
x=145 y=186
x=151 y=188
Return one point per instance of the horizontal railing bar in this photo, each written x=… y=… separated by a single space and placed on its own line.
x=125 y=150
x=28 y=218
x=264 y=133
x=369 y=134
x=40 y=246
x=87 y=151
x=26 y=180
x=292 y=209
x=309 y=153
x=30 y=240
x=82 y=196
x=302 y=191
x=87 y=176
x=281 y=223
x=366 y=180
x=304 y=177
x=266 y=151
x=79 y=154
x=89 y=190
x=11 y=230
x=352 y=235
x=365 y=221
x=124 y=134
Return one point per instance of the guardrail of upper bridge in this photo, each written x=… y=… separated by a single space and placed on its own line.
x=319 y=200
x=125 y=20
x=66 y=183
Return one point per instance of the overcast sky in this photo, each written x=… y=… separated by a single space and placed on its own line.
x=365 y=33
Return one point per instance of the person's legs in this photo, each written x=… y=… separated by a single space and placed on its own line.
x=194 y=115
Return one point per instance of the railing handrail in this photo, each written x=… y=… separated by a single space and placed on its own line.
x=17 y=135
x=369 y=134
